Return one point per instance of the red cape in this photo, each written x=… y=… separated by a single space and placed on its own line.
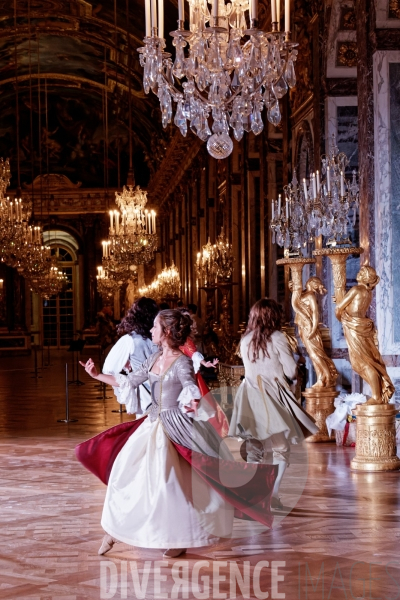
x=251 y=500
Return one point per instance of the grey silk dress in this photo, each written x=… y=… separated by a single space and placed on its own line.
x=154 y=499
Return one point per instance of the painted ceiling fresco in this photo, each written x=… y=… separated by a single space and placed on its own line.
x=67 y=70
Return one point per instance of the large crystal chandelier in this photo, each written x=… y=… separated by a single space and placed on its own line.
x=328 y=207
x=230 y=71
x=132 y=234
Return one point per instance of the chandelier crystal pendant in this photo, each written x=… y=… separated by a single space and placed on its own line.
x=225 y=72
x=132 y=234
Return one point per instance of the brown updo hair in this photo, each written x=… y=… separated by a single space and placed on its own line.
x=176 y=326
x=265 y=317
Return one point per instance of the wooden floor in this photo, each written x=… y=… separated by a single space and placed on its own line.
x=341 y=541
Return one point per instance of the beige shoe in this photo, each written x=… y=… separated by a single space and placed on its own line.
x=106 y=545
x=276 y=503
x=174 y=552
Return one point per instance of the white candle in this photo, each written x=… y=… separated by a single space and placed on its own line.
x=273 y=11
x=305 y=188
x=154 y=220
x=111 y=220
x=287 y=210
x=116 y=214
x=279 y=205
x=328 y=179
x=287 y=15
x=11 y=211
x=161 y=18
x=273 y=209
x=147 y=17
x=341 y=184
x=278 y=13
x=318 y=183
x=314 y=186
x=181 y=10
x=1 y=284
x=104 y=249
x=154 y=13
x=253 y=9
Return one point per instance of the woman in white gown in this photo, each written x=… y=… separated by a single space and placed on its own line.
x=265 y=408
x=154 y=499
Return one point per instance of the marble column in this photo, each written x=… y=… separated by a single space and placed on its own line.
x=365 y=19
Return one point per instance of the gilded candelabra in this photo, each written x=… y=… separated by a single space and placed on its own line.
x=326 y=207
x=166 y=287
x=214 y=271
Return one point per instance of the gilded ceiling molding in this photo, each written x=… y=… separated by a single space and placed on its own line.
x=173 y=168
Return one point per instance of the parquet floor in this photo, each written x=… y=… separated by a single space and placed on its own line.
x=340 y=542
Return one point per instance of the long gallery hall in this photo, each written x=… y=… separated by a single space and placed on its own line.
x=199 y=338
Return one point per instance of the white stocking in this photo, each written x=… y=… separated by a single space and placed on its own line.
x=281 y=470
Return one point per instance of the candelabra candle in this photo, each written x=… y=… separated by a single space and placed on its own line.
x=219 y=70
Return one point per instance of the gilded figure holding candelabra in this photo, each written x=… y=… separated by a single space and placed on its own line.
x=305 y=305
x=360 y=335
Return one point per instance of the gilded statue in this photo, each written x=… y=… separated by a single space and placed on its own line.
x=360 y=335
x=305 y=305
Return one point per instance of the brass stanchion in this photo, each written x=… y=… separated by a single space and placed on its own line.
x=67 y=419
x=103 y=395
x=36 y=371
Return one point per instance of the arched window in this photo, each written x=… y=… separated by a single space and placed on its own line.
x=59 y=313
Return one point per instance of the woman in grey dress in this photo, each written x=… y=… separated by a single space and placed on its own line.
x=154 y=499
x=258 y=408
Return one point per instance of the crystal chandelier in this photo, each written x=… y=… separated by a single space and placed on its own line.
x=132 y=234
x=215 y=261
x=151 y=291
x=51 y=283
x=223 y=257
x=314 y=208
x=230 y=70
x=106 y=286
x=35 y=258
x=169 y=282
x=5 y=175
x=205 y=266
x=167 y=285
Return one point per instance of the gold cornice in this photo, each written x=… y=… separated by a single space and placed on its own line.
x=180 y=154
